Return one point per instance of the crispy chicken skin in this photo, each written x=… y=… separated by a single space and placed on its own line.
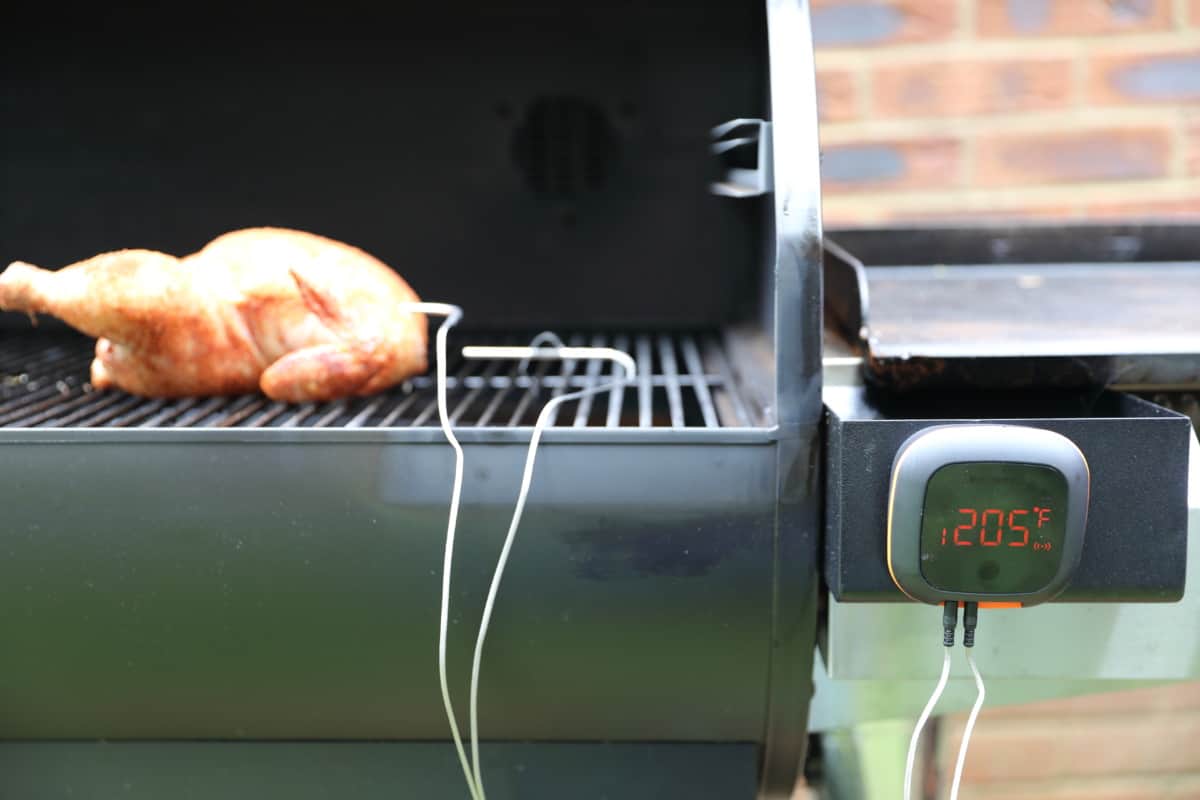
x=299 y=316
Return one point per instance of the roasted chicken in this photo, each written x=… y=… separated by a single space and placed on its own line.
x=299 y=316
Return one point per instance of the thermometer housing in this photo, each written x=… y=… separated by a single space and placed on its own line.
x=986 y=513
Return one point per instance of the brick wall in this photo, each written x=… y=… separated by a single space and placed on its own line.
x=1137 y=745
x=960 y=109
x=975 y=109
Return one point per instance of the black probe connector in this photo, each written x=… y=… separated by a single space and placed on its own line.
x=970 y=620
x=949 y=622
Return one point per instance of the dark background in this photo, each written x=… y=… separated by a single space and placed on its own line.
x=538 y=163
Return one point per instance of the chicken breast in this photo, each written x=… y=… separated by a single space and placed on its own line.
x=299 y=316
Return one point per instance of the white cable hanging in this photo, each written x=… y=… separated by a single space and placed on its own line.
x=452 y=315
x=525 y=354
x=916 y=734
x=980 y=694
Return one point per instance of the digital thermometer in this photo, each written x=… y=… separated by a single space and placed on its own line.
x=986 y=513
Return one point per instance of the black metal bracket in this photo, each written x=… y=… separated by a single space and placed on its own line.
x=1136 y=546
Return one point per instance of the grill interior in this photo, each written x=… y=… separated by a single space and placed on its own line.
x=684 y=381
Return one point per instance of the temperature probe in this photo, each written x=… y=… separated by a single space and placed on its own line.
x=989 y=514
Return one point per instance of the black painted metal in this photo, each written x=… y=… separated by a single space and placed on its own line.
x=284 y=584
x=410 y=131
x=1022 y=244
x=372 y=771
x=793 y=306
x=1066 y=306
x=209 y=568
x=1136 y=541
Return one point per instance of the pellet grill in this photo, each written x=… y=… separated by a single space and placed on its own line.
x=239 y=598
x=230 y=597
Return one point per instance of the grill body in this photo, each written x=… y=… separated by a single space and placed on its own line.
x=238 y=568
x=207 y=582
x=285 y=585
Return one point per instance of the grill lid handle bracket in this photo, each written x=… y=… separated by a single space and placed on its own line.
x=741 y=181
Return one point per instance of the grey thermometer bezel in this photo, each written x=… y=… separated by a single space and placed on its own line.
x=927 y=451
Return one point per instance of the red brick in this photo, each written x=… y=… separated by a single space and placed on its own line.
x=1092 y=155
x=979 y=215
x=1172 y=77
x=841 y=215
x=1178 y=210
x=803 y=792
x=1176 y=696
x=870 y=23
x=837 y=96
x=1064 y=747
x=971 y=87
x=1071 y=17
x=1192 y=143
x=1141 y=787
x=891 y=164
x=880 y=212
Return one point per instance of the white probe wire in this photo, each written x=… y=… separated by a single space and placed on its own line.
x=981 y=693
x=916 y=734
x=526 y=353
x=452 y=315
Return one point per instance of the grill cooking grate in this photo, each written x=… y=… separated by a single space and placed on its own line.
x=684 y=381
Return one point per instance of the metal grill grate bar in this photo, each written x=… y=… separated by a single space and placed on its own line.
x=48 y=409
x=616 y=395
x=139 y=413
x=271 y=413
x=524 y=381
x=298 y=416
x=591 y=378
x=335 y=411
x=489 y=411
x=96 y=402
x=396 y=412
x=666 y=354
x=565 y=375
x=431 y=409
x=108 y=413
x=645 y=399
x=199 y=412
x=11 y=413
x=539 y=374
x=725 y=370
x=473 y=394
x=19 y=368
x=360 y=419
x=43 y=383
x=170 y=413
x=691 y=357
x=244 y=410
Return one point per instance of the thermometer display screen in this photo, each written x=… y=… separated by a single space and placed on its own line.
x=993 y=527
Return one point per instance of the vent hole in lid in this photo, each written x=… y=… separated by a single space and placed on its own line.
x=565 y=146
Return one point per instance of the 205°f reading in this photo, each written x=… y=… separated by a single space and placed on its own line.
x=993 y=527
